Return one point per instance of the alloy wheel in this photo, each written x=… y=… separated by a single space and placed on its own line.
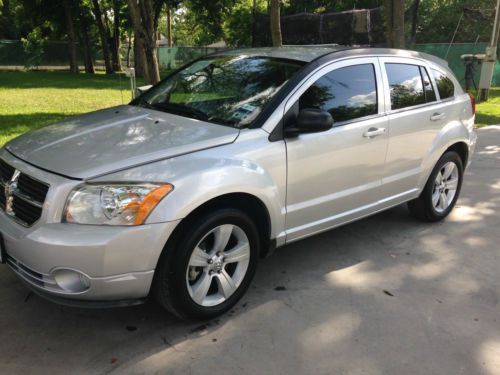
x=218 y=265
x=445 y=187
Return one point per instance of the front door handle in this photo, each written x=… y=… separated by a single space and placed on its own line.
x=373 y=132
x=438 y=116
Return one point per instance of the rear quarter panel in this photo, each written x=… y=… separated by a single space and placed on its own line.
x=458 y=127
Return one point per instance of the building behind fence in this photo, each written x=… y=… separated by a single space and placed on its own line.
x=56 y=55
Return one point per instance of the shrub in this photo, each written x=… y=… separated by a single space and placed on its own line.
x=34 y=46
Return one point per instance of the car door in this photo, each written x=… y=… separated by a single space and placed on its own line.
x=335 y=176
x=415 y=118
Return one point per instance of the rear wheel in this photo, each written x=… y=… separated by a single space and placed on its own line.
x=441 y=190
x=210 y=265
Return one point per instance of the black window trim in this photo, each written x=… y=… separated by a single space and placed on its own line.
x=450 y=98
x=389 y=88
x=277 y=134
x=423 y=70
x=418 y=106
x=362 y=118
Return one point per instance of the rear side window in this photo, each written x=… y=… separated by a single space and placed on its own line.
x=430 y=95
x=347 y=93
x=445 y=86
x=406 y=86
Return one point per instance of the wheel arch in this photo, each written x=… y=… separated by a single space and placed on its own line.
x=461 y=149
x=251 y=205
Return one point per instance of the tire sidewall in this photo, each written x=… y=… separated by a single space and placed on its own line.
x=179 y=261
x=450 y=156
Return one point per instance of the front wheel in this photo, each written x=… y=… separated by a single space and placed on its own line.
x=210 y=266
x=441 y=190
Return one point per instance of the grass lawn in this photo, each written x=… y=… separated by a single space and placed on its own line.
x=488 y=113
x=29 y=100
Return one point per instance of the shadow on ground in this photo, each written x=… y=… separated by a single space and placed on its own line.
x=385 y=295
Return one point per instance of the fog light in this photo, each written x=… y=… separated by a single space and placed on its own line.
x=71 y=281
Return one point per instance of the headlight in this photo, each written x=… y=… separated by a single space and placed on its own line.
x=114 y=204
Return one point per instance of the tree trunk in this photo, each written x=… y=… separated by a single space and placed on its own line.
x=394 y=23
x=84 y=39
x=145 y=22
x=275 y=23
x=117 y=65
x=138 y=56
x=399 y=24
x=169 y=27
x=129 y=47
x=254 y=22
x=103 y=36
x=70 y=30
x=412 y=39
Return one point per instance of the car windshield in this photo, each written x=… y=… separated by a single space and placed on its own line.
x=228 y=90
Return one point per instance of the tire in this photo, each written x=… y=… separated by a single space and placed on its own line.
x=437 y=200
x=183 y=274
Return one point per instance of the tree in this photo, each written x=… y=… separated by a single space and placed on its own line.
x=104 y=36
x=83 y=20
x=144 y=15
x=7 y=28
x=115 y=40
x=394 y=23
x=68 y=13
x=275 y=23
x=413 y=16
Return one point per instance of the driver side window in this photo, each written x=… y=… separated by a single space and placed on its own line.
x=346 y=93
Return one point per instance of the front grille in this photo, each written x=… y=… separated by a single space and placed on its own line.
x=6 y=171
x=27 y=195
x=25 y=210
x=32 y=188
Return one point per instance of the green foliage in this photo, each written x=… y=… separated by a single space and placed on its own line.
x=237 y=26
x=323 y=6
x=439 y=18
x=33 y=46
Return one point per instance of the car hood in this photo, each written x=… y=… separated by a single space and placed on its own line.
x=116 y=138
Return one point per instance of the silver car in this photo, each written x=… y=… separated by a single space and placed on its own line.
x=179 y=193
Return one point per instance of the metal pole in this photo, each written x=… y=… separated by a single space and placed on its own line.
x=490 y=58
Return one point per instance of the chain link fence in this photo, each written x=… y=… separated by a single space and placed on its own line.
x=55 y=55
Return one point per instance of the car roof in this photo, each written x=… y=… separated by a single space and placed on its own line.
x=299 y=53
x=309 y=53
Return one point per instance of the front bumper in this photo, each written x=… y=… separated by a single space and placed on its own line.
x=113 y=263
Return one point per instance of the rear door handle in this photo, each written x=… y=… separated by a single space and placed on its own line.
x=373 y=132
x=438 y=116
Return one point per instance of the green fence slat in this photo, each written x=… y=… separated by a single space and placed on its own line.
x=455 y=62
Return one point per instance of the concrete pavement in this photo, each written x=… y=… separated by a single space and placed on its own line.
x=385 y=295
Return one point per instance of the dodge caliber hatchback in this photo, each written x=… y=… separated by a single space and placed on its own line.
x=179 y=193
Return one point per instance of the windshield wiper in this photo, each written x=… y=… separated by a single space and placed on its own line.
x=181 y=109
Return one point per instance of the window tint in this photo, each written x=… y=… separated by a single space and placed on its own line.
x=406 y=86
x=430 y=95
x=346 y=93
x=445 y=85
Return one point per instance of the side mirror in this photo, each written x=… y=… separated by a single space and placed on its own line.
x=310 y=120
